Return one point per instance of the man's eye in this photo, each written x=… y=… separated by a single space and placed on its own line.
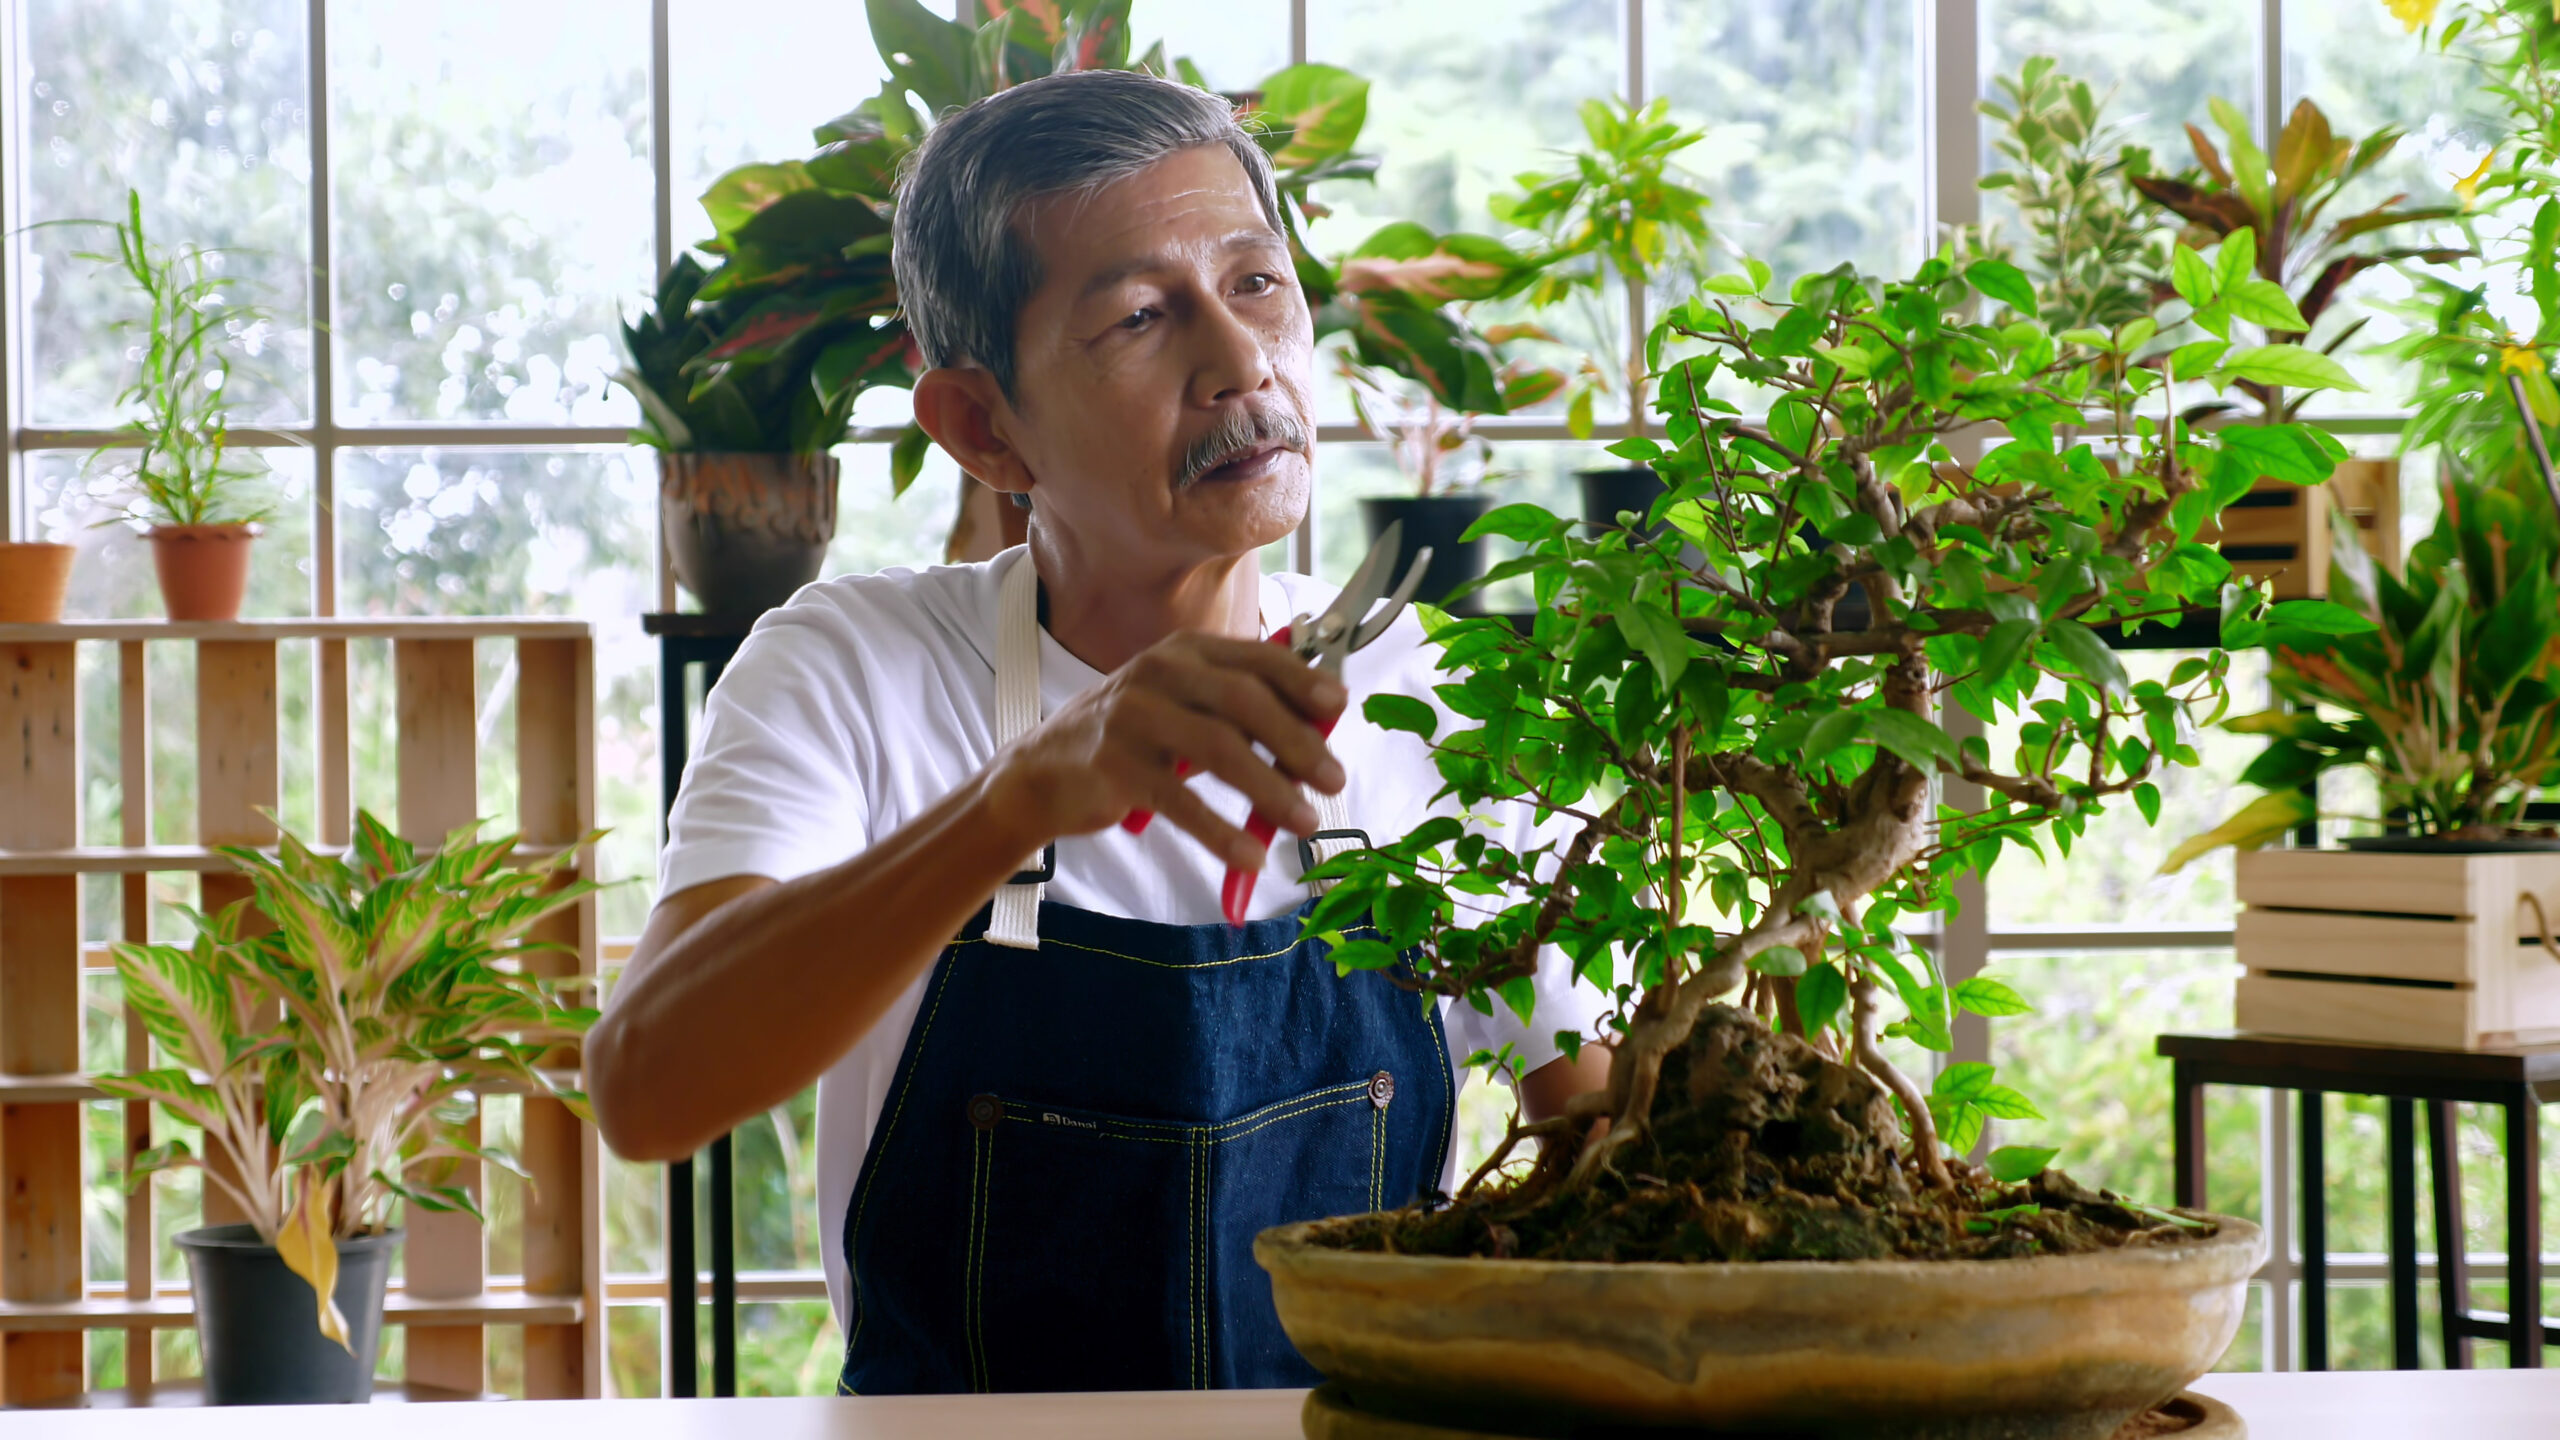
x=1137 y=319
x=1260 y=284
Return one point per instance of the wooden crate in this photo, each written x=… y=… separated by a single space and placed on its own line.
x=2280 y=530
x=47 y=1305
x=2433 y=950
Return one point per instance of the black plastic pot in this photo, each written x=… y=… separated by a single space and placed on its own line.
x=1608 y=492
x=1436 y=521
x=259 y=1327
x=744 y=531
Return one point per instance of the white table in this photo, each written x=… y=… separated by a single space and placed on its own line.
x=2421 y=1405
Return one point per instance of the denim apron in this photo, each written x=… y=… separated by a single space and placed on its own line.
x=1085 y=1132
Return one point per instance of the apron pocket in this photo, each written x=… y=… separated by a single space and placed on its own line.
x=1108 y=1252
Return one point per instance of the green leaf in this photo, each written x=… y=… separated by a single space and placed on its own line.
x=2264 y=303
x=1822 y=995
x=1985 y=996
x=2146 y=798
x=1779 y=960
x=1651 y=629
x=1521 y=521
x=1919 y=742
x=2269 y=817
x=2089 y=655
x=2192 y=277
x=2320 y=617
x=1830 y=731
x=1963 y=1080
x=1314 y=113
x=1401 y=712
x=2291 y=366
x=2002 y=647
x=1999 y=280
x=2234 y=259
x=2017 y=1164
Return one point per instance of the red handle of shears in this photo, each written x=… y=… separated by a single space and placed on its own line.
x=1237 y=893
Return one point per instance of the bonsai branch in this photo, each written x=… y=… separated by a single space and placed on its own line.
x=1865 y=1022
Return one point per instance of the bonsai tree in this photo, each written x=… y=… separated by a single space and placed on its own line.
x=2098 y=253
x=1621 y=209
x=2446 y=688
x=1744 y=792
x=2280 y=201
x=322 y=1059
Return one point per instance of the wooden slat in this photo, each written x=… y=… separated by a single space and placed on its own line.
x=133 y=790
x=76 y=1086
x=446 y=1256
x=235 y=779
x=2365 y=883
x=2411 y=948
x=563 y=1231
x=170 y=859
x=41 y=1254
x=337 y=774
x=171 y=1312
x=538 y=627
x=2346 y=1010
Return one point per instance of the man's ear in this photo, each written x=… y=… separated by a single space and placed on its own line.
x=967 y=415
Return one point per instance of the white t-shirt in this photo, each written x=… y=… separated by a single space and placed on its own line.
x=865 y=700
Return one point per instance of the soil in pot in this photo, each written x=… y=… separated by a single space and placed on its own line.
x=259 y=1327
x=33 y=579
x=1764 y=1148
x=203 y=569
x=1436 y=521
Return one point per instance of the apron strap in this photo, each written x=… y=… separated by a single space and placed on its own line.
x=1015 y=919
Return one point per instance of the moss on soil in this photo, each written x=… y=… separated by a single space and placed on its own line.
x=1764 y=1148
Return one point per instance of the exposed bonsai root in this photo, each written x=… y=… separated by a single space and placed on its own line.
x=1759 y=1147
x=1924 y=1126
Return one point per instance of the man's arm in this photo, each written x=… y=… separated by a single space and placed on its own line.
x=742 y=992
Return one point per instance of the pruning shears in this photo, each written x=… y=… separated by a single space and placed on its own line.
x=1354 y=619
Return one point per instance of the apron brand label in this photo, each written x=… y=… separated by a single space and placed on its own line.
x=1052 y=1117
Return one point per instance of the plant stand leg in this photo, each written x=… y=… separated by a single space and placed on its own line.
x=2401 y=1136
x=2524 y=1230
x=2453 y=1278
x=2187 y=1135
x=2315 y=1236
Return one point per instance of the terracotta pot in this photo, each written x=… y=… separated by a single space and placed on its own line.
x=746 y=530
x=1330 y=1415
x=2054 y=1348
x=33 y=579
x=204 y=569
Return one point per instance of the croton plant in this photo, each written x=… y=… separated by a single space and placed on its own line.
x=1751 y=774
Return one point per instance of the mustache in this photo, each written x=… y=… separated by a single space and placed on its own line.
x=1236 y=432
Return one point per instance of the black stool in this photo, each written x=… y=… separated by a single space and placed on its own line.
x=2516 y=1080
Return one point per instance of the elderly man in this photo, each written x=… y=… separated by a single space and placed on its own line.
x=1049 y=1126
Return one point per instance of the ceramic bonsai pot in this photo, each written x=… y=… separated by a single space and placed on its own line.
x=203 y=569
x=1436 y=521
x=257 y=1325
x=746 y=530
x=34 y=576
x=2053 y=1348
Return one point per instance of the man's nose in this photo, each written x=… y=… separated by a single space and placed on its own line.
x=1232 y=358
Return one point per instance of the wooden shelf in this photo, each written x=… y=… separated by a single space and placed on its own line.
x=157 y=859
x=503 y=627
x=178 y=1312
x=76 y=1087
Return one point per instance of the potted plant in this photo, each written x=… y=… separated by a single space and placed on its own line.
x=1747 y=816
x=190 y=497
x=34 y=577
x=2097 y=255
x=1621 y=209
x=321 y=1060
x=1420 y=375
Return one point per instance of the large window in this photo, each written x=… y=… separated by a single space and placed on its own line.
x=447 y=208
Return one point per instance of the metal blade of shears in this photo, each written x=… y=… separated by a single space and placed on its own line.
x=1358 y=593
x=1376 y=624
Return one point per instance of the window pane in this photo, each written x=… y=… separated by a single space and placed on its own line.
x=1813 y=124
x=749 y=79
x=112 y=578
x=517 y=532
x=2111 y=876
x=1446 y=143
x=199 y=105
x=876 y=530
x=1236 y=46
x=2162 y=58
x=492 y=207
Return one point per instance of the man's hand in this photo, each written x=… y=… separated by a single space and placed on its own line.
x=1204 y=700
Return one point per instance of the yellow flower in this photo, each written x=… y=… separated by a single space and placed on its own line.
x=2520 y=359
x=2468 y=187
x=2413 y=15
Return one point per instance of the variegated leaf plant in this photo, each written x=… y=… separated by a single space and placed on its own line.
x=329 y=1057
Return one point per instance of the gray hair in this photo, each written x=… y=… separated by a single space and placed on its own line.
x=964 y=268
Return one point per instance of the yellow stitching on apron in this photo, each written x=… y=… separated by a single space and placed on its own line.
x=1025 y=1110
x=985 y=1142
x=1203 y=965
x=1448 y=1088
x=861 y=1201
x=1377 y=1154
x=1200 y=1263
